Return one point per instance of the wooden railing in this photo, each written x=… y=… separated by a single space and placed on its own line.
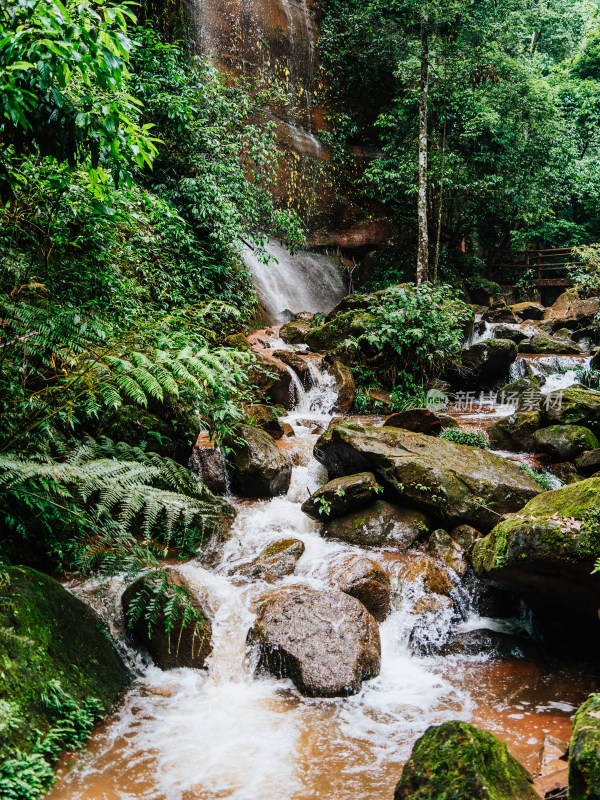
x=546 y=267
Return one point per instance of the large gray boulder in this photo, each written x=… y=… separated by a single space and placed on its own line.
x=326 y=642
x=573 y=406
x=277 y=560
x=380 y=525
x=257 y=467
x=490 y=358
x=546 y=552
x=454 y=482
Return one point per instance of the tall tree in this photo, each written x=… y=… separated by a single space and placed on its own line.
x=423 y=243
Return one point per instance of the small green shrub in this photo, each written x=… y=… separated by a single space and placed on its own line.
x=542 y=477
x=470 y=438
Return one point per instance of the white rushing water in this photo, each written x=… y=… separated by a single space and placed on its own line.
x=305 y=281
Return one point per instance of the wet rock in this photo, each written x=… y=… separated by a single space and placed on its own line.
x=553 y=755
x=500 y=312
x=208 y=463
x=584 y=763
x=544 y=344
x=566 y=472
x=258 y=468
x=571 y=311
x=515 y=433
x=489 y=359
x=515 y=335
x=491 y=601
x=380 y=525
x=447 y=420
x=588 y=463
x=273 y=380
x=294 y=332
x=492 y=644
x=305 y=316
x=48 y=634
x=528 y=310
x=267 y=419
x=418 y=420
x=460 y=762
x=363 y=578
x=326 y=642
x=345 y=386
x=288 y=431
x=342 y=496
x=299 y=363
x=422 y=569
x=443 y=547
x=595 y=362
x=573 y=406
x=591 y=333
x=465 y=536
x=546 y=553
x=187 y=644
x=458 y=483
x=432 y=605
x=565 y=442
x=381 y=399
x=275 y=562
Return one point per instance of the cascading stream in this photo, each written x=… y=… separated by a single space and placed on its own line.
x=228 y=733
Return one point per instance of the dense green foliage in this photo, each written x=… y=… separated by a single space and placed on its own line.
x=513 y=118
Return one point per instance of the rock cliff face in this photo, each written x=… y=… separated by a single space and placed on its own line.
x=275 y=43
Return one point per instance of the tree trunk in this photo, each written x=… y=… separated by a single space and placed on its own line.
x=423 y=246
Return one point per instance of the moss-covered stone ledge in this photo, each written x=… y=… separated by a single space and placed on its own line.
x=48 y=634
x=547 y=551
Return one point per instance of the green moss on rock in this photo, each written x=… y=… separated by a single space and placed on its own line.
x=584 y=752
x=456 y=761
x=48 y=634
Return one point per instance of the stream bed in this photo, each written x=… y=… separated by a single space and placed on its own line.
x=230 y=733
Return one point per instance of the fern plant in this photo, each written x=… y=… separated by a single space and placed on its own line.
x=107 y=505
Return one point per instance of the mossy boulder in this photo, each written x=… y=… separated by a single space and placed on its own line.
x=523 y=393
x=341 y=496
x=573 y=406
x=584 y=752
x=277 y=560
x=266 y=418
x=528 y=310
x=544 y=344
x=456 y=761
x=457 y=483
x=237 y=341
x=565 y=442
x=258 y=468
x=48 y=634
x=294 y=332
x=589 y=463
x=546 y=553
x=188 y=643
x=330 y=336
x=515 y=433
x=380 y=525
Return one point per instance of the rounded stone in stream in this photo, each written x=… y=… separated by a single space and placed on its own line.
x=565 y=442
x=456 y=761
x=418 y=420
x=443 y=547
x=258 y=468
x=341 y=496
x=326 y=642
x=380 y=525
x=275 y=562
x=363 y=578
x=493 y=644
x=294 y=332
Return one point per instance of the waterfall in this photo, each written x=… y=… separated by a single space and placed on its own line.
x=305 y=281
